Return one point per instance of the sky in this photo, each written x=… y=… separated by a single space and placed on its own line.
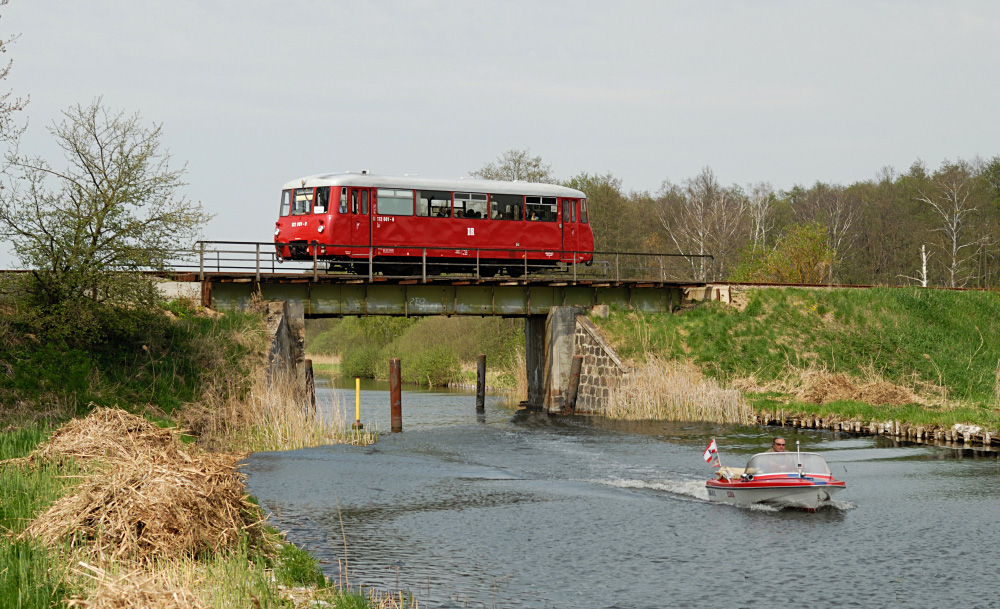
x=253 y=94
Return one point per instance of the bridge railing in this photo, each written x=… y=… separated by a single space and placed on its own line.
x=258 y=259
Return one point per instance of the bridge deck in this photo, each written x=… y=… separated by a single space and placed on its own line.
x=330 y=295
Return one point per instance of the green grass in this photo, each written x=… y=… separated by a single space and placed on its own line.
x=909 y=336
x=30 y=575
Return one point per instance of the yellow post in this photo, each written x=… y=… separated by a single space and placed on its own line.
x=357 y=404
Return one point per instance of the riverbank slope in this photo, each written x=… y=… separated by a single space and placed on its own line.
x=913 y=357
x=147 y=482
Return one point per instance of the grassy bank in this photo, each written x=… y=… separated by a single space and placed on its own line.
x=177 y=366
x=921 y=356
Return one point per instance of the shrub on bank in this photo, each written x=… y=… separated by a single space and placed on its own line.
x=432 y=349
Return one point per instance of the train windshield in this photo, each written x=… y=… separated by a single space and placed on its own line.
x=302 y=203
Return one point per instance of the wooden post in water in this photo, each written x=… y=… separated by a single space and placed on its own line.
x=395 y=398
x=357 y=405
x=310 y=386
x=481 y=383
x=574 y=384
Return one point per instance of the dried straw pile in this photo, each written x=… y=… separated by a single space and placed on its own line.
x=821 y=387
x=111 y=436
x=144 y=497
x=136 y=590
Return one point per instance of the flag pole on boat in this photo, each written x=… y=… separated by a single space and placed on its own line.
x=712 y=452
x=798 y=458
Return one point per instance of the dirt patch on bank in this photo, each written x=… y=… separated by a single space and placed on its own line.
x=822 y=387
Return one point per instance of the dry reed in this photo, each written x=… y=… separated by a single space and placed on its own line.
x=143 y=497
x=665 y=390
x=137 y=589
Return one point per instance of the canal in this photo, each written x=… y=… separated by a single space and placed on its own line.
x=523 y=510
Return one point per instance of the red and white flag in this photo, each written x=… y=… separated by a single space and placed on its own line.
x=712 y=453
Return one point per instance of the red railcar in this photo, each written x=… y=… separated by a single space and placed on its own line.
x=453 y=225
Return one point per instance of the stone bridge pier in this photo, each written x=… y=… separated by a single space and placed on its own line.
x=551 y=342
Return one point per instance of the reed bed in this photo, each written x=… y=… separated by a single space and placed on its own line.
x=667 y=390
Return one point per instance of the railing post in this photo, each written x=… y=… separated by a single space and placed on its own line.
x=315 y=261
x=371 y=262
x=525 y=266
x=617 y=273
x=201 y=262
x=660 y=256
x=257 y=263
x=478 y=276
x=423 y=264
x=574 y=268
x=218 y=261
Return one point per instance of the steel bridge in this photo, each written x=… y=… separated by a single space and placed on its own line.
x=228 y=275
x=231 y=273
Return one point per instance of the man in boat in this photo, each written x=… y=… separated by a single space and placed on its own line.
x=777 y=445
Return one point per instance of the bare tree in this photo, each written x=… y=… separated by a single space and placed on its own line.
x=760 y=211
x=949 y=194
x=706 y=219
x=516 y=165
x=10 y=128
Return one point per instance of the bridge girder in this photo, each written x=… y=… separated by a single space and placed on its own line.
x=420 y=299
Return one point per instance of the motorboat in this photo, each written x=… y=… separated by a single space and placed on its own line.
x=787 y=479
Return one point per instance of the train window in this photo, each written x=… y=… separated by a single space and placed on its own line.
x=434 y=203
x=470 y=205
x=506 y=207
x=541 y=209
x=566 y=205
x=354 y=201
x=303 y=201
x=583 y=211
x=395 y=202
x=322 y=200
x=286 y=203
x=343 y=201
x=364 y=202
x=572 y=211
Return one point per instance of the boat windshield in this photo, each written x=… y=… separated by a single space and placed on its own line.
x=787 y=463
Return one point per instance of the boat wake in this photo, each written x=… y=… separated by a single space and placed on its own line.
x=688 y=488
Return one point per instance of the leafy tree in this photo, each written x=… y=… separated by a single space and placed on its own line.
x=802 y=255
x=516 y=165
x=86 y=230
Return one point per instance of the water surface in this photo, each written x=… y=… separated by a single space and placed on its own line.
x=529 y=511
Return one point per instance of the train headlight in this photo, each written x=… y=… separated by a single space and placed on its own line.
x=321 y=227
x=277 y=231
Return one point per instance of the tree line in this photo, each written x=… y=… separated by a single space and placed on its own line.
x=930 y=227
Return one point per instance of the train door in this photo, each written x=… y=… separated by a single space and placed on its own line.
x=570 y=228
x=361 y=227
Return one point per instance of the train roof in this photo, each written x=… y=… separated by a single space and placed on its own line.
x=418 y=183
